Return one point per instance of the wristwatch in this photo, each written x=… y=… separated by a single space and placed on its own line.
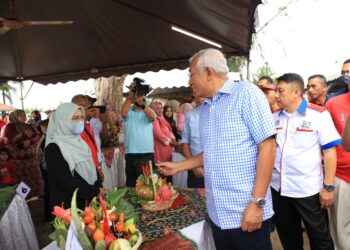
x=328 y=188
x=260 y=202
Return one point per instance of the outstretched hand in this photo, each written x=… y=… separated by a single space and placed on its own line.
x=167 y=168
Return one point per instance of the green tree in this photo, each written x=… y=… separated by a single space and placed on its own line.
x=236 y=63
x=264 y=70
x=6 y=90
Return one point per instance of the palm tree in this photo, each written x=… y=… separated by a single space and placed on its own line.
x=6 y=89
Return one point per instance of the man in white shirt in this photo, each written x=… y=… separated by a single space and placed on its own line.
x=300 y=190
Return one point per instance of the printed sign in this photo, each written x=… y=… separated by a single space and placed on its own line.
x=23 y=190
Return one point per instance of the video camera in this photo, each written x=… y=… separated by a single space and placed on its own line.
x=139 y=88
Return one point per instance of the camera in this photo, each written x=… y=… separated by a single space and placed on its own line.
x=101 y=108
x=139 y=88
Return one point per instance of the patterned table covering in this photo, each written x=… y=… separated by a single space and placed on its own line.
x=157 y=224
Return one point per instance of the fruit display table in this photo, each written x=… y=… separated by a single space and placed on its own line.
x=186 y=223
x=16 y=225
x=156 y=224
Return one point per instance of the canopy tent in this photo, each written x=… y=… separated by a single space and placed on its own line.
x=181 y=94
x=114 y=37
x=4 y=107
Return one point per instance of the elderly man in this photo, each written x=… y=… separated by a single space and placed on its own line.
x=300 y=190
x=237 y=138
x=339 y=108
x=317 y=90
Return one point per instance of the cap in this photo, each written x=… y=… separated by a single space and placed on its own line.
x=92 y=100
x=268 y=87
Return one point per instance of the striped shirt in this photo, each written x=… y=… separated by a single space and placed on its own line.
x=232 y=124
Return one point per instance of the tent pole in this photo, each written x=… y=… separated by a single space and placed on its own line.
x=21 y=90
x=248 y=68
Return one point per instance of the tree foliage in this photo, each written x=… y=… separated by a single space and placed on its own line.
x=236 y=63
x=6 y=90
x=264 y=70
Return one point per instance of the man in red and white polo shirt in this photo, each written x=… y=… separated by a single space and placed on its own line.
x=339 y=217
x=300 y=190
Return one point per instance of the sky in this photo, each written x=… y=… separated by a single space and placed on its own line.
x=310 y=37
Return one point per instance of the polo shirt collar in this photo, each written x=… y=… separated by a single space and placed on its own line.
x=301 y=109
x=226 y=89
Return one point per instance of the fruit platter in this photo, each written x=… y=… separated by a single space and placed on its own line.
x=152 y=191
x=103 y=224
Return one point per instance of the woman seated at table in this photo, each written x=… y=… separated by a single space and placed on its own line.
x=68 y=158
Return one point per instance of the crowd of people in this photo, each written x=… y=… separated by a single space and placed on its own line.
x=270 y=153
x=280 y=154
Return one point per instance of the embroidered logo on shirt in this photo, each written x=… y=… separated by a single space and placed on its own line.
x=305 y=126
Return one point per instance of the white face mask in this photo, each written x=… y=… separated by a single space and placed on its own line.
x=77 y=128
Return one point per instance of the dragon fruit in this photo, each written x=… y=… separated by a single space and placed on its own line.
x=164 y=194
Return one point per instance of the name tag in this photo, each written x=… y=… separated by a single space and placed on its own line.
x=23 y=190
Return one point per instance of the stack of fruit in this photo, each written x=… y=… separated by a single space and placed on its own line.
x=103 y=224
x=152 y=191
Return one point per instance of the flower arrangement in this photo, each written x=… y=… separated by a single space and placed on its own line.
x=152 y=191
x=110 y=130
x=104 y=224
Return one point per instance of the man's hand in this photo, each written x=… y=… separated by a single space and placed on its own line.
x=174 y=143
x=91 y=112
x=199 y=172
x=326 y=198
x=252 y=218
x=167 y=168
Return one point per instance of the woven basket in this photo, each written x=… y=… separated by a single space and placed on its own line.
x=154 y=207
x=139 y=241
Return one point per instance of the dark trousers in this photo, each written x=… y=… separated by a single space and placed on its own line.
x=47 y=208
x=133 y=164
x=236 y=239
x=288 y=215
x=193 y=181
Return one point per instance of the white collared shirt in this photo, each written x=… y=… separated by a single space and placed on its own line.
x=301 y=137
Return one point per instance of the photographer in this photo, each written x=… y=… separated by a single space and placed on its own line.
x=138 y=130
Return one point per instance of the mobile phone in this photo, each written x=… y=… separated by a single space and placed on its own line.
x=101 y=108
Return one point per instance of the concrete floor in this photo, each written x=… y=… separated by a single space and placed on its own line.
x=43 y=229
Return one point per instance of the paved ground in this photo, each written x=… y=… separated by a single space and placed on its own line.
x=43 y=229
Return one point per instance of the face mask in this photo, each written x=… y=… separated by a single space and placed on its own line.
x=77 y=128
x=345 y=79
x=45 y=132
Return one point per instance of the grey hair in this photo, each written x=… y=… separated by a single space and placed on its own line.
x=211 y=58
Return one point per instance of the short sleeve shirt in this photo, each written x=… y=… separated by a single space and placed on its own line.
x=138 y=133
x=298 y=170
x=232 y=124
x=190 y=133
